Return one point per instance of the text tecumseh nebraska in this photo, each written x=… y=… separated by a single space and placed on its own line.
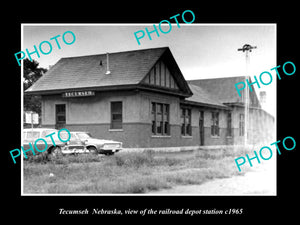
x=86 y=211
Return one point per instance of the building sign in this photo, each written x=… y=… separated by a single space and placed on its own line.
x=31 y=117
x=78 y=94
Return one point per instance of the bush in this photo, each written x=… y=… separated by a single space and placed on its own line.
x=134 y=159
x=64 y=159
x=38 y=158
x=166 y=161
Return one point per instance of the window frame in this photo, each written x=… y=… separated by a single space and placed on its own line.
x=164 y=121
x=114 y=122
x=186 y=115
x=241 y=125
x=229 y=124
x=59 y=113
x=215 y=124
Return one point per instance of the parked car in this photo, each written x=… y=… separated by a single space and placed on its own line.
x=83 y=140
x=75 y=145
x=31 y=135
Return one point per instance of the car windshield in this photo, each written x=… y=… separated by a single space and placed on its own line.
x=84 y=136
x=64 y=135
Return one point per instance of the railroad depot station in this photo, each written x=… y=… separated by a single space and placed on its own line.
x=142 y=99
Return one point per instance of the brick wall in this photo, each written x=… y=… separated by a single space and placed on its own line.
x=92 y=114
x=138 y=135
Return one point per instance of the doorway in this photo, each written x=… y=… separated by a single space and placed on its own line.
x=201 y=128
x=60 y=116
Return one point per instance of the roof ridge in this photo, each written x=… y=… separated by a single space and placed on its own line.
x=136 y=50
x=127 y=68
x=218 y=78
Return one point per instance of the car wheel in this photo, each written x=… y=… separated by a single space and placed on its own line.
x=55 y=152
x=92 y=149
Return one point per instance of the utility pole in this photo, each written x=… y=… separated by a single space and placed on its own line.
x=246 y=48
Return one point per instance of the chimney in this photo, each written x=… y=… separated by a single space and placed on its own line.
x=107 y=63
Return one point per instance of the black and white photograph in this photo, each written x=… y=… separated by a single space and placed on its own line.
x=144 y=111
x=175 y=115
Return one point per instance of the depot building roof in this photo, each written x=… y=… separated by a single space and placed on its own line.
x=126 y=69
x=131 y=70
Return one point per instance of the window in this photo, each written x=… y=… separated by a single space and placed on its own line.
x=166 y=119
x=32 y=135
x=116 y=115
x=46 y=132
x=60 y=111
x=242 y=125
x=186 y=128
x=84 y=136
x=215 y=124
x=160 y=119
x=229 y=132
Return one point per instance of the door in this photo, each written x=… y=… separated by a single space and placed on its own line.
x=60 y=116
x=201 y=127
x=75 y=142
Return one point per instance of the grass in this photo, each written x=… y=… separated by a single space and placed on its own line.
x=124 y=172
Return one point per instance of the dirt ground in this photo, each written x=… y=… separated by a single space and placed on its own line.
x=260 y=180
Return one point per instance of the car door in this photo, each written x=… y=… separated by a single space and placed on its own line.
x=74 y=142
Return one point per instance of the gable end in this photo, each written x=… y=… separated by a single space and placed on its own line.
x=160 y=76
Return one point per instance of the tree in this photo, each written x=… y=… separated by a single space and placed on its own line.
x=31 y=74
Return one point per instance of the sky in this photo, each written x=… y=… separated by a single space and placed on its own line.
x=200 y=50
